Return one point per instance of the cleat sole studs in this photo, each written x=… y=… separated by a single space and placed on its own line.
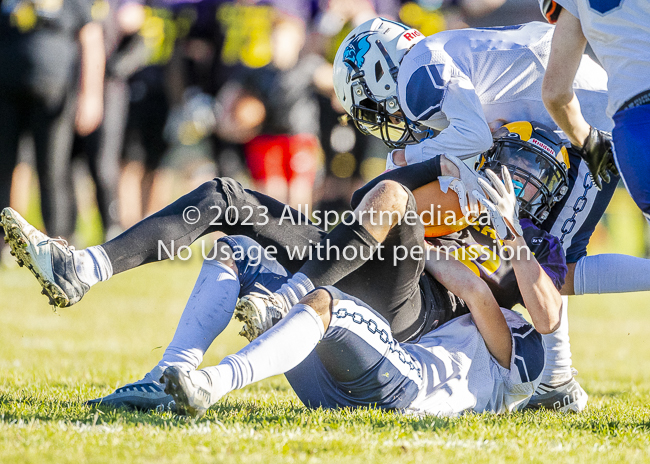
x=19 y=246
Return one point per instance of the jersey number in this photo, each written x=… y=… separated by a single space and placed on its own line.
x=604 y=6
x=478 y=258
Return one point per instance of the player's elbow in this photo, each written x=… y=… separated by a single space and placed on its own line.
x=555 y=96
x=476 y=138
x=477 y=293
x=554 y=326
x=551 y=320
x=485 y=139
x=546 y=329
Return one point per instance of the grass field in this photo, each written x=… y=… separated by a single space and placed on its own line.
x=50 y=363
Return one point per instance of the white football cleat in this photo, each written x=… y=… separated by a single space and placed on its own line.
x=568 y=397
x=259 y=312
x=50 y=260
x=191 y=390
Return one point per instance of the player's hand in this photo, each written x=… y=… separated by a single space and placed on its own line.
x=599 y=156
x=470 y=192
x=502 y=205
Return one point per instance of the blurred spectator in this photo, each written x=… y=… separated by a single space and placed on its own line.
x=125 y=53
x=49 y=50
x=145 y=184
x=277 y=102
x=199 y=71
x=225 y=36
x=432 y=16
x=511 y=12
x=350 y=157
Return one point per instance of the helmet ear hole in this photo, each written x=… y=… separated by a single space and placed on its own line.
x=379 y=71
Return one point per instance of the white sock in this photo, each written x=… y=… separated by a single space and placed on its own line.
x=277 y=351
x=153 y=376
x=611 y=273
x=207 y=313
x=294 y=289
x=558 y=351
x=92 y=265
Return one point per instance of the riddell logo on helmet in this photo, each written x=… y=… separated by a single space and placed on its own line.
x=412 y=34
x=543 y=146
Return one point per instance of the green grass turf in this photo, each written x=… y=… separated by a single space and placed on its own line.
x=50 y=363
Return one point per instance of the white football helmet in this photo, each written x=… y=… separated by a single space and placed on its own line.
x=365 y=80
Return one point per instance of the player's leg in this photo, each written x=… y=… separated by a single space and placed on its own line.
x=390 y=282
x=235 y=265
x=631 y=137
x=606 y=273
x=207 y=312
x=573 y=221
x=331 y=322
x=374 y=370
x=219 y=205
x=386 y=282
x=380 y=212
x=558 y=389
x=610 y=273
x=377 y=256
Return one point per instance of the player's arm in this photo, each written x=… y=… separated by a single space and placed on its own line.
x=412 y=177
x=541 y=297
x=595 y=146
x=418 y=178
x=456 y=109
x=487 y=315
x=567 y=48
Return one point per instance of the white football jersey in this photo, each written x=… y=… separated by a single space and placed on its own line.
x=461 y=82
x=619 y=33
x=460 y=375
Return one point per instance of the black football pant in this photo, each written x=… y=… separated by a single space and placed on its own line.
x=390 y=285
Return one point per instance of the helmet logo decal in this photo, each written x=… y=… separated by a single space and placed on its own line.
x=543 y=146
x=521 y=129
x=356 y=50
x=412 y=34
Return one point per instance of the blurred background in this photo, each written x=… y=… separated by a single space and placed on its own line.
x=109 y=110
